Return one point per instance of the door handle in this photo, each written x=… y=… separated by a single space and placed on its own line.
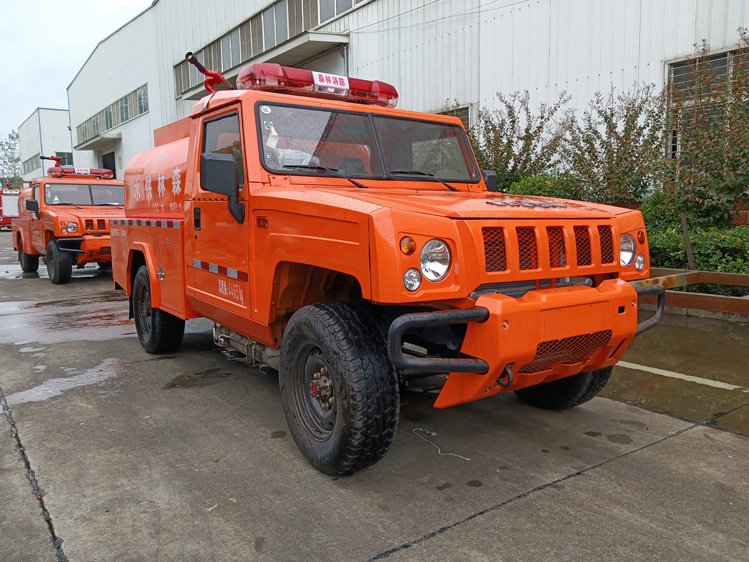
x=196 y=218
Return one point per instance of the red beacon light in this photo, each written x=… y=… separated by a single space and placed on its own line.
x=273 y=77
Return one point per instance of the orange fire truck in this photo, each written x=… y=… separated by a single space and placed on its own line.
x=64 y=217
x=354 y=247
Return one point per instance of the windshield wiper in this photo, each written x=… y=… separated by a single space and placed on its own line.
x=333 y=171
x=420 y=173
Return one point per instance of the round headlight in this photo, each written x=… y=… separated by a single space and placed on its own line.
x=412 y=279
x=72 y=226
x=640 y=262
x=626 y=250
x=435 y=259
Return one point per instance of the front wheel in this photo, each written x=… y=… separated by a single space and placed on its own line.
x=158 y=331
x=29 y=263
x=338 y=389
x=59 y=264
x=567 y=392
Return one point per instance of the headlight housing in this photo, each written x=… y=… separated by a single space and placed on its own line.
x=435 y=259
x=72 y=227
x=412 y=279
x=627 y=248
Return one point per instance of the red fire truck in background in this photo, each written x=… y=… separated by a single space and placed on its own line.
x=8 y=205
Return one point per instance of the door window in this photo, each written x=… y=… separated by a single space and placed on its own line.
x=222 y=135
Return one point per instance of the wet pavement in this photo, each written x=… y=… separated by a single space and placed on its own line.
x=187 y=456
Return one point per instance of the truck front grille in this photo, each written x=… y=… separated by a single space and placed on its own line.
x=96 y=225
x=523 y=247
x=576 y=349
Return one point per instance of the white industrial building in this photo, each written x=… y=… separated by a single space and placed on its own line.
x=435 y=52
x=43 y=133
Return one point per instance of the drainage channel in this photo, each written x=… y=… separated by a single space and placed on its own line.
x=31 y=477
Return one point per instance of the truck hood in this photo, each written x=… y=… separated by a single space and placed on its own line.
x=467 y=205
x=92 y=212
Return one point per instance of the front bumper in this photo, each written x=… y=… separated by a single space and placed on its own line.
x=87 y=248
x=544 y=335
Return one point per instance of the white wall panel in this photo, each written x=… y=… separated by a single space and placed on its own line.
x=431 y=50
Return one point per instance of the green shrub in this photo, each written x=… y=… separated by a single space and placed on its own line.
x=660 y=211
x=714 y=249
x=545 y=185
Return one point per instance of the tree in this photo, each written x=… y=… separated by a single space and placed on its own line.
x=616 y=150
x=709 y=120
x=518 y=142
x=10 y=160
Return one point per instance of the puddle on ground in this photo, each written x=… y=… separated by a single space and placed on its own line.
x=206 y=377
x=55 y=387
x=13 y=271
x=684 y=399
x=90 y=317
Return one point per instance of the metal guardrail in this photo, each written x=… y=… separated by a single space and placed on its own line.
x=679 y=278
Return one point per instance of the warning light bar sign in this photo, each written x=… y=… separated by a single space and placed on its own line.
x=325 y=82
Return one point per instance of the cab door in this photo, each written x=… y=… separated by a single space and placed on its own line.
x=36 y=230
x=217 y=241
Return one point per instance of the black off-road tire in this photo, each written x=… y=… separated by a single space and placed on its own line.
x=567 y=392
x=29 y=263
x=359 y=428
x=158 y=331
x=59 y=264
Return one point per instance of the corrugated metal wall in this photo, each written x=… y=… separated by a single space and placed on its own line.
x=436 y=51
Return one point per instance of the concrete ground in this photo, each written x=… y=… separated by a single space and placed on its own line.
x=108 y=453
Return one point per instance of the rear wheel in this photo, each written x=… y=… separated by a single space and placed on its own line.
x=29 y=263
x=338 y=389
x=59 y=264
x=158 y=331
x=567 y=392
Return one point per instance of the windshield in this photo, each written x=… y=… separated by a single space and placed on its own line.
x=362 y=145
x=83 y=194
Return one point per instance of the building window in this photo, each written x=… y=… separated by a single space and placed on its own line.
x=124 y=110
x=275 y=25
x=699 y=91
x=33 y=163
x=332 y=8
x=230 y=50
x=127 y=107
x=142 y=94
x=463 y=113
x=66 y=158
x=302 y=16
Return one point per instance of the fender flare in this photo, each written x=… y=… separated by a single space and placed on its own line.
x=23 y=246
x=147 y=252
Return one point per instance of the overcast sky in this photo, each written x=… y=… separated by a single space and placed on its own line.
x=44 y=44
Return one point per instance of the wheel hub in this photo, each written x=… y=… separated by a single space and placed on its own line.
x=321 y=388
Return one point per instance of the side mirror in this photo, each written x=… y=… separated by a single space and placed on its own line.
x=490 y=178
x=33 y=206
x=219 y=174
